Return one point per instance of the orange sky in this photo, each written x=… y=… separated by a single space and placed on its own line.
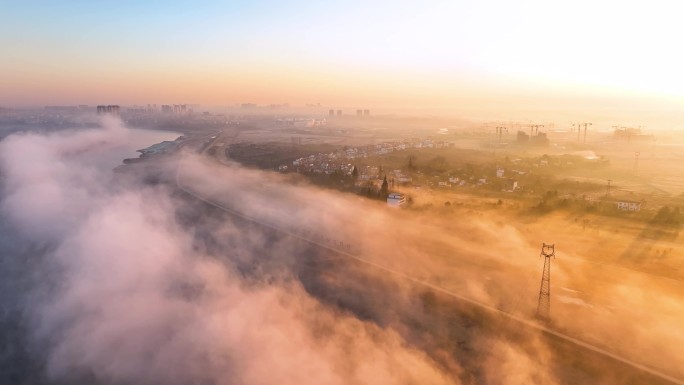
x=493 y=55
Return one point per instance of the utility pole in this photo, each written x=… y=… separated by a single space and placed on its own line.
x=544 y=304
x=636 y=162
x=608 y=187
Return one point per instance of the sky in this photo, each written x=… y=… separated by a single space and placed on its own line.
x=380 y=53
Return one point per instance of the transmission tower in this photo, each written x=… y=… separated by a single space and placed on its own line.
x=544 y=304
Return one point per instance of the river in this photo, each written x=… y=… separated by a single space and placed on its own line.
x=136 y=139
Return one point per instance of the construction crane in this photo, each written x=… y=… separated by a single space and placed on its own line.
x=579 y=125
x=500 y=130
x=535 y=128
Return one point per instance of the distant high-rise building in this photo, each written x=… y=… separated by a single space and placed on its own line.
x=109 y=109
x=359 y=112
x=331 y=112
x=339 y=112
x=178 y=109
x=166 y=109
x=366 y=112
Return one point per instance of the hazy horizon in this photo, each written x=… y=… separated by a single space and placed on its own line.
x=450 y=58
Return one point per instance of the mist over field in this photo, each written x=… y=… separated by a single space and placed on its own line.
x=487 y=256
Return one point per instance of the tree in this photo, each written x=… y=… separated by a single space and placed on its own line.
x=437 y=163
x=663 y=215
x=411 y=166
x=668 y=216
x=385 y=187
x=355 y=173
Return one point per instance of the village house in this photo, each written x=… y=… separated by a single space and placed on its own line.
x=629 y=205
x=510 y=185
x=396 y=200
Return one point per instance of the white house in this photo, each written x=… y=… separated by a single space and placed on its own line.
x=396 y=200
x=510 y=185
x=629 y=205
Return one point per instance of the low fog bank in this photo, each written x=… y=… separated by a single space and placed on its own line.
x=113 y=280
x=108 y=287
